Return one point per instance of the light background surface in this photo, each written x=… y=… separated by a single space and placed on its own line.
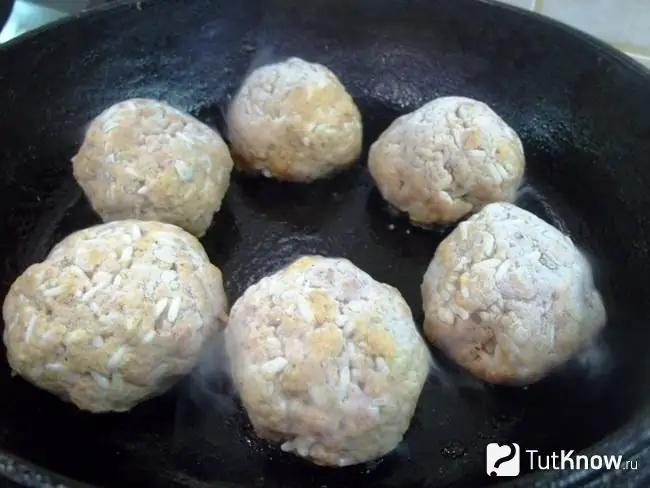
x=623 y=23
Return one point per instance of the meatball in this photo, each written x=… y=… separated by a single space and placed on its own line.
x=294 y=121
x=447 y=159
x=142 y=159
x=115 y=314
x=327 y=360
x=509 y=297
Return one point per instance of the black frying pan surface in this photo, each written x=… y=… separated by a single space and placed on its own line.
x=580 y=108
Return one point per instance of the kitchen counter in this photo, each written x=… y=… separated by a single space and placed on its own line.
x=28 y=15
x=622 y=23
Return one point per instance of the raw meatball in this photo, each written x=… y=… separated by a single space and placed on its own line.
x=294 y=121
x=509 y=297
x=327 y=360
x=145 y=160
x=447 y=159
x=115 y=314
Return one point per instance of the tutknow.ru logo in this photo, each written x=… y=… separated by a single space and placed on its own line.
x=506 y=460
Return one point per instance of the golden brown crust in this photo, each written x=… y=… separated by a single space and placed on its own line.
x=114 y=314
x=509 y=298
x=448 y=158
x=294 y=121
x=327 y=360
x=146 y=160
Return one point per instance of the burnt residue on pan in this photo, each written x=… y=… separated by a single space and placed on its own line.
x=587 y=174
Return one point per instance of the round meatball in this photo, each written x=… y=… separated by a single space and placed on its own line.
x=447 y=159
x=115 y=314
x=509 y=297
x=142 y=159
x=294 y=121
x=327 y=360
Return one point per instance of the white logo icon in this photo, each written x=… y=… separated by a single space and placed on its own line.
x=502 y=460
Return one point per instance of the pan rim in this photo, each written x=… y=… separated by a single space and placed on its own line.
x=633 y=437
x=601 y=46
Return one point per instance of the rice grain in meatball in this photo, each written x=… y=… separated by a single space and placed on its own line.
x=143 y=159
x=509 y=297
x=448 y=158
x=327 y=360
x=294 y=121
x=115 y=314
